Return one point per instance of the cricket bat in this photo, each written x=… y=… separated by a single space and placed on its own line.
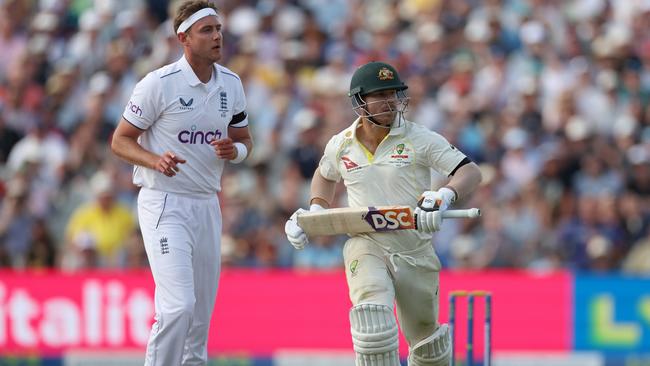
x=352 y=220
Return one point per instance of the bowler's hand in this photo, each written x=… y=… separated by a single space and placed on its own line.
x=295 y=233
x=224 y=148
x=168 y=164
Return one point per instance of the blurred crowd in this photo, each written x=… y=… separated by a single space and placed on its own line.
x=551 y=98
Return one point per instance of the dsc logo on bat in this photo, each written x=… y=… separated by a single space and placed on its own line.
x=387 y=219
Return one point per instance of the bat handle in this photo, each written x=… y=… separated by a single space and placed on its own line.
x=469 y=213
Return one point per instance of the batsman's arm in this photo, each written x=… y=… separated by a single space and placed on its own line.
x=465 y=180
x=322 y=190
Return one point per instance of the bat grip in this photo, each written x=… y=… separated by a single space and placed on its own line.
x=469 y=213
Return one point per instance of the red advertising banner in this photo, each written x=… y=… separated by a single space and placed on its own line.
x=531 y=311
x=47 y=312
x=261 y=312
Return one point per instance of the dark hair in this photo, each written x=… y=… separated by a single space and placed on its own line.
x=188 y=8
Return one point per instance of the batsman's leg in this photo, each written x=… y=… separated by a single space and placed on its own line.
x=434 y=350
x=373 y=325
x=374 y=335
x=416 y=290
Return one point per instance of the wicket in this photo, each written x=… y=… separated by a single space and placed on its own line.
x=487 y=296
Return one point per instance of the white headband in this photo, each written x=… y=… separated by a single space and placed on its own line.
x=187 y=23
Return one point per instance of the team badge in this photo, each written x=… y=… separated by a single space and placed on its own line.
x=385 y=74
x=401 y=156
x=353 y=267
x=223 y=103
x=164 y=245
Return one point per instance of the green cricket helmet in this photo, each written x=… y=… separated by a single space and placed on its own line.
x=373 y=77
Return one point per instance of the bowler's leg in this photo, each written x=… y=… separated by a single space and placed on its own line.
x=170 y=259
x=206 y=280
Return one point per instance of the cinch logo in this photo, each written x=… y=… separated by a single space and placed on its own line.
x=198 y=137
x=349 y=164
x=186 y=105
x=390 y=219
x=135 y=109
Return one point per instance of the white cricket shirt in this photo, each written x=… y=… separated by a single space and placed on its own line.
x=396 y=174
x=181 y=114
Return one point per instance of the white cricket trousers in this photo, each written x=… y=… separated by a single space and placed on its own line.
x=410 y=279
x=182 y=237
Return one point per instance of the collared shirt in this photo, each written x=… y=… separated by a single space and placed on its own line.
x=396 y=174
x=181 y=114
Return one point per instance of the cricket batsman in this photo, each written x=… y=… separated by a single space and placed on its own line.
x=386 y=160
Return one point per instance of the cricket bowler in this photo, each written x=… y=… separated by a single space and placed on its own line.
x=183 y=123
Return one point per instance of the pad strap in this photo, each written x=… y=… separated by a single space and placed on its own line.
x=434 y=350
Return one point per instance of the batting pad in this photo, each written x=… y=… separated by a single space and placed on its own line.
x=434 y=350
x=374 y=335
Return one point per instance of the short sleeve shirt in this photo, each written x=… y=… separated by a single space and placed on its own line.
x=181 y=114
x=396 y=174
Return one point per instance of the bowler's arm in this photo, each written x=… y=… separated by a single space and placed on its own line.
x=243 y=135
x=322 y=190
x=465 y=180
x=125 y=145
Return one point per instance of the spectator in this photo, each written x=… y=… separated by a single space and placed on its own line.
x=323 y=253
x=104 y=224
x=12 y=43
x=559 y=115
x=8 y=138
x=42 y=252
x=16 y=224
x=306 y=154
x=44 y=145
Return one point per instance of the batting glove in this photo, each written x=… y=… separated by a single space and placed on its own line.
x=437 y=200
x=295 y=234
x=428 y=214
x=427 y=221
